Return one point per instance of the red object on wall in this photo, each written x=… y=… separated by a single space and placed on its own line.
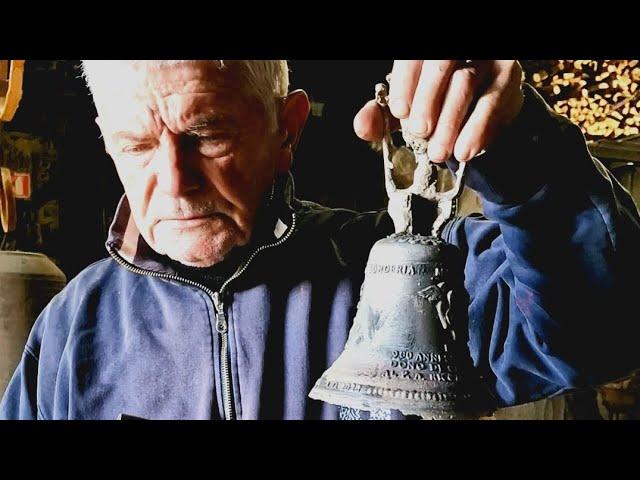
x=21 y=185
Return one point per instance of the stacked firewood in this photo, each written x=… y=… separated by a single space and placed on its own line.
x=602 y=96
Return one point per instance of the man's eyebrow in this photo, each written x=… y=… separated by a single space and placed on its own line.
x=128 y=135
x=210 y=122
x=200 y=124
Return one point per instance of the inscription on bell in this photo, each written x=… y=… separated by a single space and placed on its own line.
x=432 y=367
x=426 y=366
x=421 y=356
x=431 y=377
x=401 y=269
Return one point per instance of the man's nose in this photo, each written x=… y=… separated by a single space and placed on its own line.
x=175 y=171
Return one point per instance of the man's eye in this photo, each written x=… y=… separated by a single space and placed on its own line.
x=209 y=139
x=137 y=149
x=214 y=145
x=217 y=138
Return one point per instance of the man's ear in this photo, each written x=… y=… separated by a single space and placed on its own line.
x=293 y=116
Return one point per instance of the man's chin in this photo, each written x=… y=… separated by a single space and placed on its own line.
x=201 y=250
x=199 y=263
x=199 y=257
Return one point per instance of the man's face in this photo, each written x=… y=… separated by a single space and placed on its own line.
x=194 y=153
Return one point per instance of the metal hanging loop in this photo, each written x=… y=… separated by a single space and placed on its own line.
x=424 y=178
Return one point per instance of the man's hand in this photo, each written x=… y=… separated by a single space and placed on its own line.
x=458 y=106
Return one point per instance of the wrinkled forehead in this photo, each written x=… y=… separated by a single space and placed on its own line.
x=121 y=85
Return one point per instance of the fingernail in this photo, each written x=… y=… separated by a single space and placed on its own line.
x=470 y=155
x=399 y=107
x=437 y=152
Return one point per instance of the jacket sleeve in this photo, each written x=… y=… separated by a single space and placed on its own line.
x=549 y=266
x=19 y=400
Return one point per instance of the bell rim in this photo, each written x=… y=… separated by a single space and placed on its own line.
x=459 y=408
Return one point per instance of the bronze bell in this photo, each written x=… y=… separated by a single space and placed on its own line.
x=407 y=349
x=403 y=351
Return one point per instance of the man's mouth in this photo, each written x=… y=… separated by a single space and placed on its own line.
x=188 y=222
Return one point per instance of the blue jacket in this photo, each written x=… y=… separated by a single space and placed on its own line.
x=548 y=271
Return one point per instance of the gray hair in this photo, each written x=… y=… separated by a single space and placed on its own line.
x=266 y=80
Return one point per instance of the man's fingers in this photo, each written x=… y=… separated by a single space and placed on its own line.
x=429 y=95
x=402 y=85
x=441 y=101
x=480 y=128
x=455 y=108
x=369 y=124
x=499 y=105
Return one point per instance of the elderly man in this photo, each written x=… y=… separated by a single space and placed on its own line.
x=226 y=297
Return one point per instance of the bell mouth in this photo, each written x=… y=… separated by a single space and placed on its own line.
x=431 y=385
x=429 y=405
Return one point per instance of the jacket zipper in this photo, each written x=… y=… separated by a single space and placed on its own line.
x=218 y=302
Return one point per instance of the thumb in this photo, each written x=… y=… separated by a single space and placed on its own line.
x=369 y=124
